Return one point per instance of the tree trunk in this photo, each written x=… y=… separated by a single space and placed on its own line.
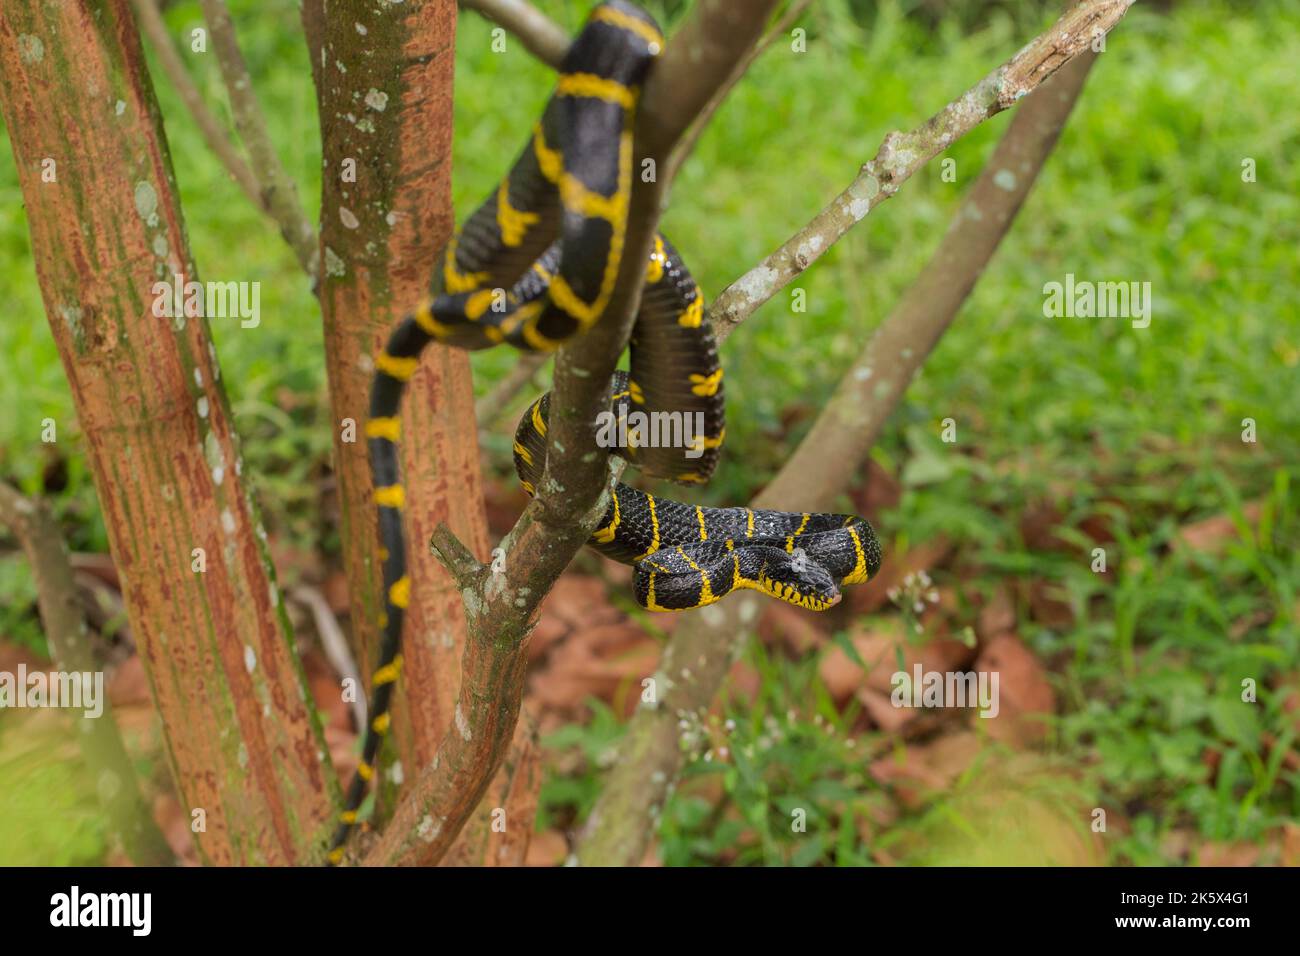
x=244 y=744
x=130 y=821
x=385 y=101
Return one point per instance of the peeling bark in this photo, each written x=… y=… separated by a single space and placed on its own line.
x=243 y=743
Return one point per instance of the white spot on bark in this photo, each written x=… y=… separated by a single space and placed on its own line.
x=428 y=830
x=462 y=725
x=809 y=248
x=30 y=48
x=250 y=659
x=348 y=218
x=756 y=283
x=146 y=200
x=1005 y=179
x=377 y=100
x=333 y=264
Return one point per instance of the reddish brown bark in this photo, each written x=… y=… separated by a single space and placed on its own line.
x=385 y=100
x=499 y=832
x=243 y=743
x=573 y=492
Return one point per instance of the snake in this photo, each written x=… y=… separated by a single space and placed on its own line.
x=534 y=266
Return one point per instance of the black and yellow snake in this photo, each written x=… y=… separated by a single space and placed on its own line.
x=534 y=266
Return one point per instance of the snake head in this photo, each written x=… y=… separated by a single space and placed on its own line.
x=798 y=580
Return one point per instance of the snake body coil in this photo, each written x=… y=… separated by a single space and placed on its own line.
x=536 y=265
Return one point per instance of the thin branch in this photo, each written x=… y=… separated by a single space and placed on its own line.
x=540 y=35
x=494 y=404
x=455 y=557
x=98 y=737
x=151 y=23
x=792 y=13
x=902 y=154
x=700 y=652
x=574 y=490
x=843 y=434
x=334 y=643
x=277 y=189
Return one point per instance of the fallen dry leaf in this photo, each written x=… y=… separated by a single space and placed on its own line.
x=547 y=848
x=876 y=647
x=925 y=769
x=997 y=616
x=1025 y=697
x=1038 y=523
x=800 y=630
x=1047 y=605
x=878 y=493
x=1216 y=853
x=1212 y=535
x=601 y=661
x=1291 y=844
x=882 y=712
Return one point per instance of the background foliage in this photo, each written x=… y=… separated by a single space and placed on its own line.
x=1086 y=417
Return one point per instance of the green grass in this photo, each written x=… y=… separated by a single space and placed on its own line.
x=1141 y=426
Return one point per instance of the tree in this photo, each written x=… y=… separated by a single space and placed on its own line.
x=166 y=461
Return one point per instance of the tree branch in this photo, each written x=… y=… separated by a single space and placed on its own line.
x=792 y=13
x=333 y=642
x=495 y=402
x=130 y=819
x=243 y=742
x=151 y=23
x=573 y=492
x=384 y=97
x=902 y=154
x=540 y=35
x=279 y=195
x=844 y=432
x=697 y=658
x=455 y=557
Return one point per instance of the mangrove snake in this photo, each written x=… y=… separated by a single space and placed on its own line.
x=508 y=278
